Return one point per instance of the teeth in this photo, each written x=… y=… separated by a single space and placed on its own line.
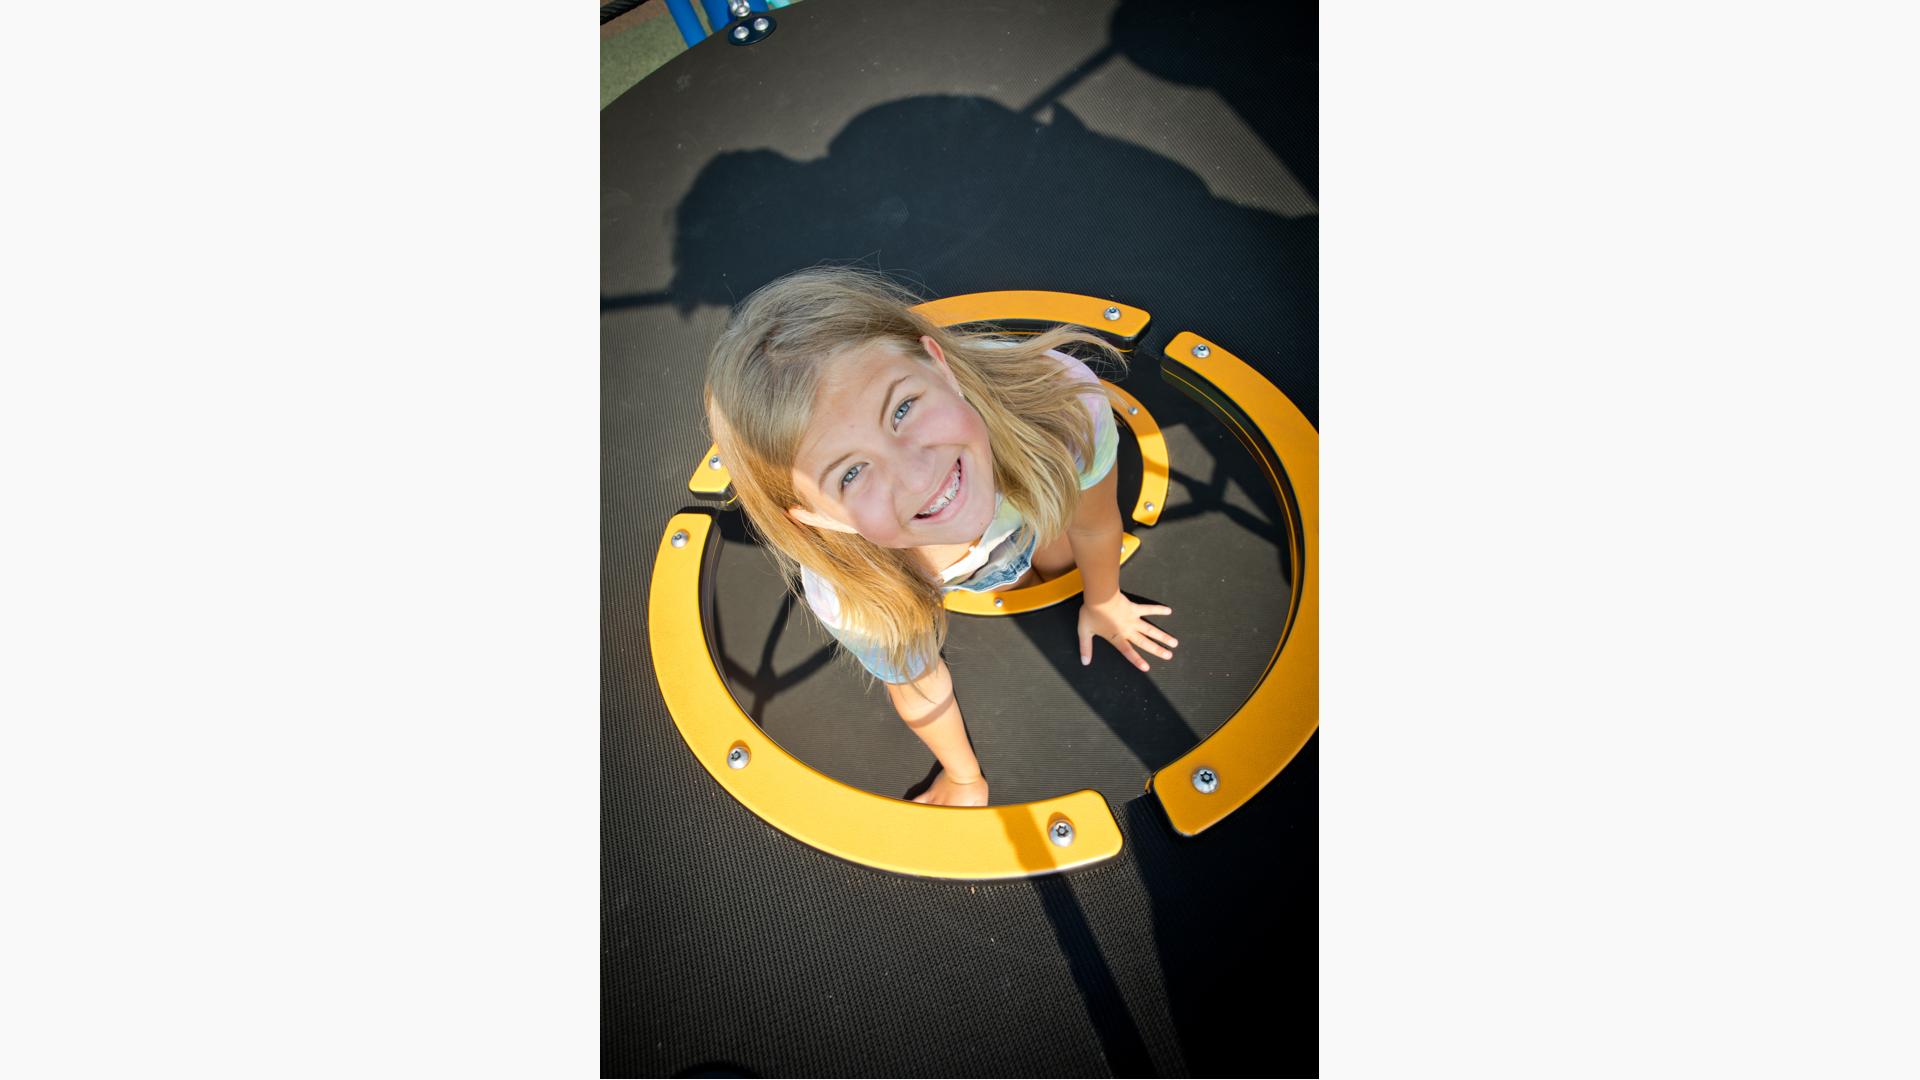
x=939 y=504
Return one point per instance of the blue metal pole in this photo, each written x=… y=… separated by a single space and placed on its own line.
x=717 y=14
x=687 y=21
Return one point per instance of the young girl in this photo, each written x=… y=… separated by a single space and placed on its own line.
x=886 y=461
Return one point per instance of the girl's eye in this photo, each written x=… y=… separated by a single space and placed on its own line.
x=900 y=413
x=847 y=477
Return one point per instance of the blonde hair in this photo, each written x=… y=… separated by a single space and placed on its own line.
x=762 y=378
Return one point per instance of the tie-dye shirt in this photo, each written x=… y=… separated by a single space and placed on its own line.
x=1001 y=556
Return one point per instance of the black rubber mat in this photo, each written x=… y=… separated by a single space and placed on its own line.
x=963 y=148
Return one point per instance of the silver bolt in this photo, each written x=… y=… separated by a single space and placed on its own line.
x=739 y=33
x=1112 y=314
x=737 y=757
x=1149 y=508
x=739 y=8
x=1205 y=780
x=761 y=25
x=1061 y=832
x=713 y=462
x=1201 y=350
x=1133 y=410
x=680 y=538
x=999 y=601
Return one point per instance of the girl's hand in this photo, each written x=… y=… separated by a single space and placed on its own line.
x=1123 y=622
x=949 y=792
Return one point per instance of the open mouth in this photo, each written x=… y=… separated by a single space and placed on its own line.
x=946 y=498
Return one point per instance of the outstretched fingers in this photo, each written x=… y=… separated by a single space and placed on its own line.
x=1153 y=647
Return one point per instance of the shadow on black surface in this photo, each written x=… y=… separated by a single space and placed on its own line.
x=1028 y=204
x=763 y=682
x=1263 y=59
x=1236 y=925
x=1120 y=1041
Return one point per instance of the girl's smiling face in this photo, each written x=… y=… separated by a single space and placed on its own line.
x=894 y=453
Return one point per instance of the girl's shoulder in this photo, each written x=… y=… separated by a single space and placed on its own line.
x=1075 y=366
x=1098 y=405
x=820 y=597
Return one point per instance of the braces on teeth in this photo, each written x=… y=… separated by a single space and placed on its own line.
x=953 y=488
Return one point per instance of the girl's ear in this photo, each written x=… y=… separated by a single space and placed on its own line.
x=818 y=521
x=933 y=349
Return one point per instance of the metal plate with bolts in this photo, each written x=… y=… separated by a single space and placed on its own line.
x=1264 y=734
x=1037 y=306
x=974 y=843
x=1154 y=465
x=750 y=29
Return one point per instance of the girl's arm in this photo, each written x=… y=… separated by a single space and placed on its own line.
x=1105 y=611
x=929 y=707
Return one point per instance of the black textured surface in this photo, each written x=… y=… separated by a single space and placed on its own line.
x=925 y=139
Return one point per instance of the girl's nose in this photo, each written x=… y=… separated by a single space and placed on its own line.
x=922 y=474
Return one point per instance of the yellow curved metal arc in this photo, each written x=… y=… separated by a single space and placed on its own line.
x=1154 y=466
x=1033 y=597
x=1258 y=741
x=1030 y=305
x=974 y=843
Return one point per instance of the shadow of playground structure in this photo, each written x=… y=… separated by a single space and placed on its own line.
x=971 y=196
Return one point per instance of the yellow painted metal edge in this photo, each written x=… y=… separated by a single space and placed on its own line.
x=972 y=843
x=710 y=477
x=1258 y=741
x=1154 y=467
x=1025 y=304
x=1033 y=597
x=1036 y=306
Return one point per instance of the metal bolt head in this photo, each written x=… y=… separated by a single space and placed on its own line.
x=680 y=538
x=739 y=33
x=1061 y=833
x=739 y=8
x=1133 y=410
x=1201 y=350
x=713 y=462
x=761 y=25
x=999 y=601
x=1112 y=314
x=1149 y=508
x=738 y=757
x=1205 y=780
